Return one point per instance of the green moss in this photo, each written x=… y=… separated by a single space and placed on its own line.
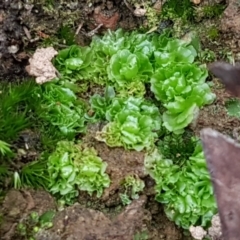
x=66 y=35
x=178 y=9
x=213 y=33
x=213 y=10
x=50 y=41
x=141 y=236
x=207 y=55
x=152 y=17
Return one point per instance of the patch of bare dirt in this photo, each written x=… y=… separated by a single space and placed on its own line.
x=23 y=26
x=160 y=228
x=121 y=163
x=18 y=204
x=230 y=21
x=78 y=222
x=215 y=115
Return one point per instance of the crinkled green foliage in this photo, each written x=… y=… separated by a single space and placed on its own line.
x=100 y=104
x=185 y=191
x=177 y=80
x=73 y=60
x=182 y=90
x=131 y=130
x=48 y=109
x=126 y=64
x=136 y=89
x=175 y=51
x=109 y=105
x=31 y=105
x=133 y=186
x=136 y=184
x=73 y=167
x=129 y=61
x=110 y=43
x=233 y=108
x=126 y=67
x=133 y=123
x=90 y=63
x=141 y=43
x=125 y=198
x=59 y=107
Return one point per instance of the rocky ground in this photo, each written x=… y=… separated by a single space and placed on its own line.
x=25 y=25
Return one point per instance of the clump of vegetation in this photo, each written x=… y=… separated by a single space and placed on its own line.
x=34 y=223
x=33 y=174
x=213 y=33
x=207 y=55
x=182 y=90
x=177 y=147
x=133 y=124
x=174 y=9
x=5 y=153
x=49 y=109
x=141 y=236
x=14 y=109
x=129 y=61
x=66 y=35
x=153 y=17
x=143 y=75
x=59 y=106
x=133 y=186
x=5 y=149
x=73 y=167
x=186 y=190
x=233 y=108
x=213 y=10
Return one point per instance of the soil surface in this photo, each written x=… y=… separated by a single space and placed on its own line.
x=215 y=115
x=26 y=25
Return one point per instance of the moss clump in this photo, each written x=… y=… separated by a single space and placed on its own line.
x=213 y=10
x=213 y=33
x=152 y=17
x=173 y=9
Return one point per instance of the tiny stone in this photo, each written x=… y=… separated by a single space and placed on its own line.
x=13 y=49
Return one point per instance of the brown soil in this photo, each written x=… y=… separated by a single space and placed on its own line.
x=26 y=26
x=105 y=218
x=215 y=115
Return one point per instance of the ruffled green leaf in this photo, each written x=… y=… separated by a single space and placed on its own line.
x=187 y=194
x=126 y=67
x=134 y=123
x=73 y=59
x=74 y=167
x=182 y=89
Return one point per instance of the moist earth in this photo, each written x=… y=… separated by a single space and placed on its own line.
x=25 y=25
